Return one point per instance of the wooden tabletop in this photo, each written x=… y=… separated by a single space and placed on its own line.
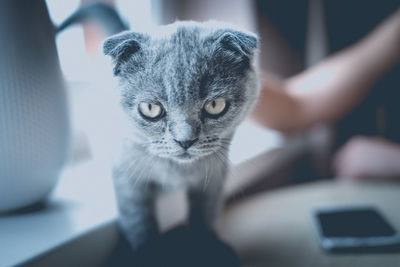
x=275 y=228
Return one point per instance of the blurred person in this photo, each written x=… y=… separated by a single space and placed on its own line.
x=327 y=91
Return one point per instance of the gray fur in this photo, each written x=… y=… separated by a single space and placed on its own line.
x=181 y=66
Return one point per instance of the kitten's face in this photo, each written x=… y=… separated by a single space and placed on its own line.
x=186 y=91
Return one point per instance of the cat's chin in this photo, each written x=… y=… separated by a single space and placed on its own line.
x=185 y=158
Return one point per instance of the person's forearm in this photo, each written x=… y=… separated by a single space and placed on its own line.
x=275 y=107
x=328 y=90
x=332 y=88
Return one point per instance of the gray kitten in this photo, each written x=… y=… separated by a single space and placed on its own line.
x=184 y=89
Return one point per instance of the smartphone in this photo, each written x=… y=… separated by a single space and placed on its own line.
x=355 y=229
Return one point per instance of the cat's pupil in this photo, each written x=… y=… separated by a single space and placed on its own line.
x=150 y=107
x=213 y=104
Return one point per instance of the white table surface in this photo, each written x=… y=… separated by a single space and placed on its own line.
x=82 y=200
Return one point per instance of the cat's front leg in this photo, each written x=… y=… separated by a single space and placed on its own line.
x=136 y=213
x=205 y=203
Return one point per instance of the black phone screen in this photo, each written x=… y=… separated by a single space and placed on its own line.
x=356 y=223
x=355 y=230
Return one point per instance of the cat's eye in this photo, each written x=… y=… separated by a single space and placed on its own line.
x=151 y=111
x=216 y=107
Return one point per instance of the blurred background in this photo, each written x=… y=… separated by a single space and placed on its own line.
x=79 y=140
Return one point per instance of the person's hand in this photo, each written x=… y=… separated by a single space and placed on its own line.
x=368 y=157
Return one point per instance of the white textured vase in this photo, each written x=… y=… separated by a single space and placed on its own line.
x=34 y=129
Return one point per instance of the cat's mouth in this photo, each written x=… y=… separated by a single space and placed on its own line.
x=185 y=156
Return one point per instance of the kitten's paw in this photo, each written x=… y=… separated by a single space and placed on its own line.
x=210 y=250
x=183 y=247
x=178 y=247
x=139 y=242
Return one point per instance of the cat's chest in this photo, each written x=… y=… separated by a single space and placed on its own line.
x=177 y=175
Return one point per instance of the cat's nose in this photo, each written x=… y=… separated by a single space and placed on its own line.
x=186 y=143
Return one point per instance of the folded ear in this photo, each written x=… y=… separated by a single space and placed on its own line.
x=234 y=49
x=124 y=46
x=240 y=43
